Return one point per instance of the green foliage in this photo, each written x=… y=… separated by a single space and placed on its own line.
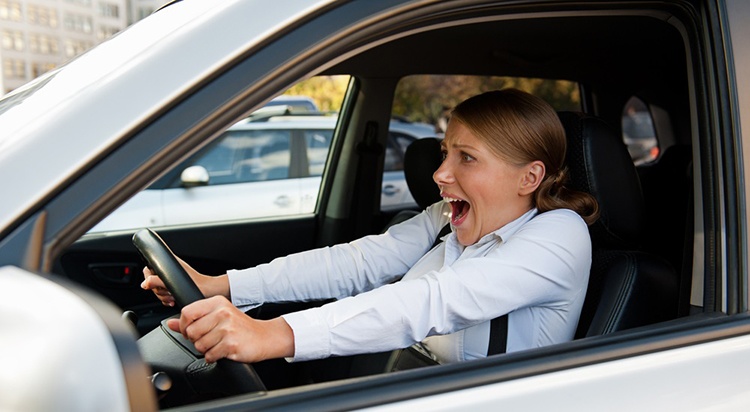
x=425 y=98
x=326 y=91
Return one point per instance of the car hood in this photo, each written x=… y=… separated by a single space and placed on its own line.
x=55 y=126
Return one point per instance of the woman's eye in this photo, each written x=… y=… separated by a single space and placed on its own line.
x=443 y=155
x=466 y=157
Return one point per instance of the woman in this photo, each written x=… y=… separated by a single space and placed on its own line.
x=519 y=246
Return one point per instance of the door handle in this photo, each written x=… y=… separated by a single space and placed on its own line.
x=390 y=190
x=114 y=273
x=282 y=201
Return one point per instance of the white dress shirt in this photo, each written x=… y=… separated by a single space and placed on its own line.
x=536 y=268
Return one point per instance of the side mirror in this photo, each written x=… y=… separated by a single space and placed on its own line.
x=194 y=176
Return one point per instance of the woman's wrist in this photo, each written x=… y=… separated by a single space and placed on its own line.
x=279 y=340
x=216 y=286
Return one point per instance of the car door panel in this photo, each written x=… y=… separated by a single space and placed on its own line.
x=109 y=263
x=231 y=201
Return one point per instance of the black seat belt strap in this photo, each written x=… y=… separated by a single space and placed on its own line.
x=444 y=231
x=498 y=327
x=498 y=336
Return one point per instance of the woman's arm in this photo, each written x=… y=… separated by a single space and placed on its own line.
x=545 y=263
x=220 y=330
x=342 y=270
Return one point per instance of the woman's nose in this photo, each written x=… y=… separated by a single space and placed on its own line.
x=443 y=174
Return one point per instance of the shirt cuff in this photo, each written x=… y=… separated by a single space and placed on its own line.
x=311 y=335
x=245 y=288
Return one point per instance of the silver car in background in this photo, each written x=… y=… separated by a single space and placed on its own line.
x=266 y=165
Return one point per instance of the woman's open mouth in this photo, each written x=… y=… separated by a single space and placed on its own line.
x=459 y=210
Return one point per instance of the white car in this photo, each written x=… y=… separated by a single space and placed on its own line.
x=272 y=162
x=665 y=324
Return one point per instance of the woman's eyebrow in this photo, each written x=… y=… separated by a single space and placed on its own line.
x=459 y=146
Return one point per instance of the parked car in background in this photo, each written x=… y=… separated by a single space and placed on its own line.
x=81 y=141
x=638 y=132
x=266 y=165
x=294 y=103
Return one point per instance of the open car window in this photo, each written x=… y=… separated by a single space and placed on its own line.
x=266 y=165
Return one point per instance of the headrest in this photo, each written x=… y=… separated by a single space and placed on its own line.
x=598 y=163
x=421 y=159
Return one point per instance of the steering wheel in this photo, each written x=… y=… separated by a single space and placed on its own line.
x=189 y=372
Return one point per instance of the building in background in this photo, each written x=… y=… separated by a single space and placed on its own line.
x=139 y=9
x=39 y=35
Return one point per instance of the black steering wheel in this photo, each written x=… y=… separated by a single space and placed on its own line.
x=188 y=373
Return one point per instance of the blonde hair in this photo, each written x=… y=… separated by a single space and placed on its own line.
x=521 y=128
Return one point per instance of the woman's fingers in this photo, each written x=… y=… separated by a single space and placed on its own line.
x=219 y=330
x=198 y=312
x=213 y=325
x=153 y=283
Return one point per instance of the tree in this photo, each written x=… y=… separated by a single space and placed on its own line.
x=326 y=91
x=425 y=98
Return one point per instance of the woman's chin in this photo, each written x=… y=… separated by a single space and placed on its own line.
x=464 y=237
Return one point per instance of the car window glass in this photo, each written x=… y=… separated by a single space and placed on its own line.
x=638 y=131
x=317 y=142
x=266 y=165
x=247 y=156
x=422 y=106
x=395 y=149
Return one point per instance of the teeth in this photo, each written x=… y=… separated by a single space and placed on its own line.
x=450 y=199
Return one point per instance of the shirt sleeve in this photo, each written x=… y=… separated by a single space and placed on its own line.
x=545 y=263
x=342 y=270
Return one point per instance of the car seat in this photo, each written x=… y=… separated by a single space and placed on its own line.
x=421 y=159
x=627 y=287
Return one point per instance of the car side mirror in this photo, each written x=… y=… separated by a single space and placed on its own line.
x=194 y=176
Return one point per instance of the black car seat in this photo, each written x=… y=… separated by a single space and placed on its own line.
x=627 y=287
x=421 y=159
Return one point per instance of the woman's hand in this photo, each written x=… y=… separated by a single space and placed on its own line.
x=220 y=330
x=208 y=285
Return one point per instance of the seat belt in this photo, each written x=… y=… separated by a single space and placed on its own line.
x=498 y=327
x=498 y=336
x=444 y=231
x=369 y=151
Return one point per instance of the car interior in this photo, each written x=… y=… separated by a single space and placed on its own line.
x=648 y=269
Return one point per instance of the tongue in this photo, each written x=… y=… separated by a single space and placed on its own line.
x=460 y=209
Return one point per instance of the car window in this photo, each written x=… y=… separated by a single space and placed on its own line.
x=638 y=131
x=317 y=143
x=247 y=156
x=395 y=149
x=422 y=105
x=268 y=164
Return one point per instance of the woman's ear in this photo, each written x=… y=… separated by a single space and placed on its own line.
x=533 y=175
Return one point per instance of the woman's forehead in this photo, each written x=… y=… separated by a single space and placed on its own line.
x=458 y=135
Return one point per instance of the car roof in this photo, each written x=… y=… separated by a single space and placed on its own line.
x=324 y=121
x=287 y=122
